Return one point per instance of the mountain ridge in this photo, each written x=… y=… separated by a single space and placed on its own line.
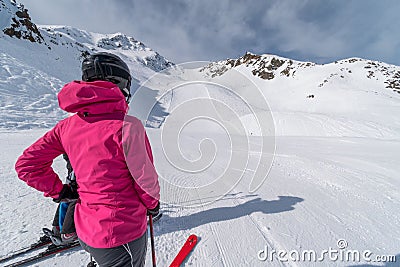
x=36 y=61
x=17 y=23
x=267 y=67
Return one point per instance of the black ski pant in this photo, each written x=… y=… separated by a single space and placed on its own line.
x=68 y=224
x=132 y=254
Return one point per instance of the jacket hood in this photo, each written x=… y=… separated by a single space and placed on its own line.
x=96 y=97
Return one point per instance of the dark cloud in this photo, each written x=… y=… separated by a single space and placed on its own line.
x=181 y=30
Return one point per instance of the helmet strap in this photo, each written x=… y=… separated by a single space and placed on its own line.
x=128 y=95
x=98 y=68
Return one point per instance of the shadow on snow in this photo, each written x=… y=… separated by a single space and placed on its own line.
x=283 y=204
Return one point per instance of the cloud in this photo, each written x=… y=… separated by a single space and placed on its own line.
x=294 y=31
x=330 y=30
x=181 y=30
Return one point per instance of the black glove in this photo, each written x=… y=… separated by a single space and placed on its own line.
x=67 y=194
x=155 y=211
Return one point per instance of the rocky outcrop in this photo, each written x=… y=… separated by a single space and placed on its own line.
x=264 y=66
x=20 y=25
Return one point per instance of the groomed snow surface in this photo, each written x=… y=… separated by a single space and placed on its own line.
x=334 y=182
x=320 y=190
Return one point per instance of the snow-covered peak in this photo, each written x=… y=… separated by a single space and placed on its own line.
x=89 y=42
x=124 y=43
x=263 y=66
x=270 y=67
x=16 y=22
x=37 y=60
x=120 y=41
x=349 y=97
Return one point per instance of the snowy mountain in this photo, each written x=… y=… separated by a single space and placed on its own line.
x=36 y=61
x=350 y=97
x=326 y=137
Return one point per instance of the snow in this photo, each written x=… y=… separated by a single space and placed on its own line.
x=331 y=159
x=319 y=190
x=6 y=12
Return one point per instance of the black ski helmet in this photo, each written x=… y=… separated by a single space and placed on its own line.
x=107 y=67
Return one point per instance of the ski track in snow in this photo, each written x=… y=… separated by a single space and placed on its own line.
x=305 y=203
x=320 y=189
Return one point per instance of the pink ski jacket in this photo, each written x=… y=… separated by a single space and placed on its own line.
x=112 y=160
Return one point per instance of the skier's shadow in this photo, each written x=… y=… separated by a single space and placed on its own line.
x=172 y=224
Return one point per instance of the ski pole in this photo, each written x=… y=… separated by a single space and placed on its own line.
x=153 y=251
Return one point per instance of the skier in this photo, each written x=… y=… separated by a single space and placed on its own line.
x=111 y=157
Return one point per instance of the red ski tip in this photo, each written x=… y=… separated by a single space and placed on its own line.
x=192 y=239
x=185 y=251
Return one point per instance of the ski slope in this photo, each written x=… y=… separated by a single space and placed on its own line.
x=319 y=190
x=339 y=183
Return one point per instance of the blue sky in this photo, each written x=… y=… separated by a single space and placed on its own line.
x=311 y=30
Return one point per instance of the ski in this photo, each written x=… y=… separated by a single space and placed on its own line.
x=43 y=241
x=185 y=250
x=51 y=250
